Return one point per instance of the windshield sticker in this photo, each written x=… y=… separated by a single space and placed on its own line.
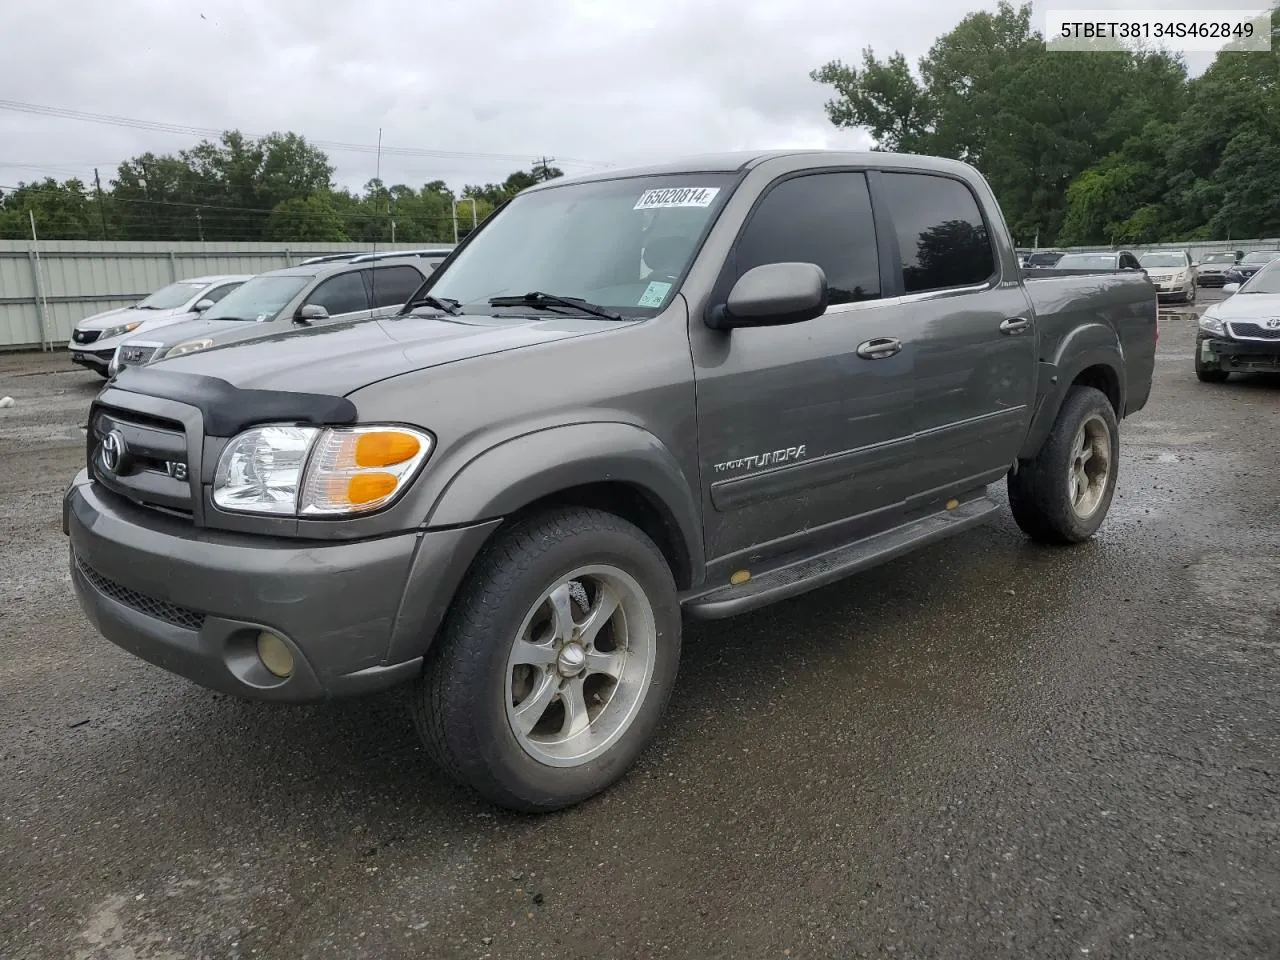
x=676 y=197
x=654 y=294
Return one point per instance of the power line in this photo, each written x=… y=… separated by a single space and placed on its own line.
x=193 y=131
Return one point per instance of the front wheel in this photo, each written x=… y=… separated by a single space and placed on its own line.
x=1207 y=372
x=1063 y=494
x=555 y=665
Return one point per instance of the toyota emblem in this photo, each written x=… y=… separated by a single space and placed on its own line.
x=113 y=451
x=1273 y=323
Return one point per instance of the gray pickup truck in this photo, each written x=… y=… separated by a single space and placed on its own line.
x=684 y=390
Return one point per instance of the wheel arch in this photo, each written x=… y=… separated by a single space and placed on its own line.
x=1098 y=364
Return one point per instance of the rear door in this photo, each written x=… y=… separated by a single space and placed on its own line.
x=975 y=361
x=345 y=296
x=391 y=287
x=796 y=431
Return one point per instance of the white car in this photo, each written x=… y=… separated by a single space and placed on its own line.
x=95 y=339
x=1242 y=333
x=1173 y=274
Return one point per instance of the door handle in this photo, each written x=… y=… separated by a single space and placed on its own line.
x=879 y=348
x=1014 y=325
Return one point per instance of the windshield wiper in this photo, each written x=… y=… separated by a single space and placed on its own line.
x=551 y=300
x=451 y=307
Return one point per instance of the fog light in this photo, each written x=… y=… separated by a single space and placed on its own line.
x=273 y=653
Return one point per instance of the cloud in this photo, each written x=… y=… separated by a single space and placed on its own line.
x=576 y=80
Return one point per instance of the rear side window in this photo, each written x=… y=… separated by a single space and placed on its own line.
x=942 y=238
x=217 y=293
x=344 y=293
x=392 y=286
x=822 y=218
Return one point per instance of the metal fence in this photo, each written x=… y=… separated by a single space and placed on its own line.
x=1196 y=249
x=46 y=287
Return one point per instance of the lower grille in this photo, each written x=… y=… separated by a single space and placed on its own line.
x=1253 y=331
x=85 y=336
x=151 y=606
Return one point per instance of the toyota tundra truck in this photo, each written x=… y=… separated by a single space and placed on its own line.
x=627 y=400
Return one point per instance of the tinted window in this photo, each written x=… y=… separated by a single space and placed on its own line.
x=217 y=293
x=344 y=293
x=392 y=286
x=822 y=218
x=941 y=235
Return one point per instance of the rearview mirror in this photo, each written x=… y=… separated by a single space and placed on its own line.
x=202 y=305
x=773 y=294
x=311 y=313
x=1230 y=287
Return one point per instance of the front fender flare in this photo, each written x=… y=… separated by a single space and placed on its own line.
x=519 y=471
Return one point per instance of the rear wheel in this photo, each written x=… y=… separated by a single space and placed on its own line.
x=555 y=665
x=1063 y=494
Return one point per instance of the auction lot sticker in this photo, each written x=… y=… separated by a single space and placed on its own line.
x=676 y=197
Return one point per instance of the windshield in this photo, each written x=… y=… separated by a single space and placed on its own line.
x=261 y=298
x=1089 y=261
x=1266 y=280
x=620 y=244
x=1261 y=256
x=1163 y=260
x=1220 y=258
x=174 y=295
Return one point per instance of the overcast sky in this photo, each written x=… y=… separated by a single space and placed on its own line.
x=587 y=82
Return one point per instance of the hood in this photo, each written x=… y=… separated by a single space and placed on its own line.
x=1248 y=306
x=110 y=318
x=342 y=357
x=180 y=329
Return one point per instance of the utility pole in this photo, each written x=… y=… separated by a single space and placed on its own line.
x=102 y=209
x=146 y=186
x=199 y=225
x=542 y=169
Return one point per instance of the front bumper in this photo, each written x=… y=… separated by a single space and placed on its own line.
x=1238 y=355
x=356 y=615
x=1170 y=291
x=1212 y=279
x=91 y=356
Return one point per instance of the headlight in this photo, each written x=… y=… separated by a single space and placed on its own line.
x=120 y=330
x=190 y=346
x=313 y=472
x=1211 y=324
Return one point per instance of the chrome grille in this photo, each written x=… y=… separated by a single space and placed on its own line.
x=152 y=467
x=134 y=356
x=1252 y=331
x=151 y=606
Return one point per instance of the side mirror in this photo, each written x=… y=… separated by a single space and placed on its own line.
x=311 y=313
x=202 y=305
x=771 y=295
x=1230 y=287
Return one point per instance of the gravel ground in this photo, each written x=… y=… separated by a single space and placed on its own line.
x=987 y=749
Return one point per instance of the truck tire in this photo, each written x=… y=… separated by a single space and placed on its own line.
x=555 y=663
x=1063 y=494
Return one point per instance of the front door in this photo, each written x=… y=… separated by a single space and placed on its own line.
x=800 y=437
x=976 y=357
x=345 y=297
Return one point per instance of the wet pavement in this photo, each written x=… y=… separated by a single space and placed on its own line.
x=987 y=749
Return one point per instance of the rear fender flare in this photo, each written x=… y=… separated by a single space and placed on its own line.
x=1092 y=345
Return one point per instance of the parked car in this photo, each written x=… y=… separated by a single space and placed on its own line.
x=1212 y=269
x=694 y=388
x=1172 y=273
x=349 y=290
x=1249 y=264
x=95 y=339
x=1242 y=333
x=1105 y=260
x=1044 y=258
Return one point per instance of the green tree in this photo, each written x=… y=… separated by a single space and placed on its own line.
x=63 y=211
x=311 y=218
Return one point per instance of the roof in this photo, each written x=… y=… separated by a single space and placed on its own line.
x=735 y=161
x=326 y=266
x=215 y=277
